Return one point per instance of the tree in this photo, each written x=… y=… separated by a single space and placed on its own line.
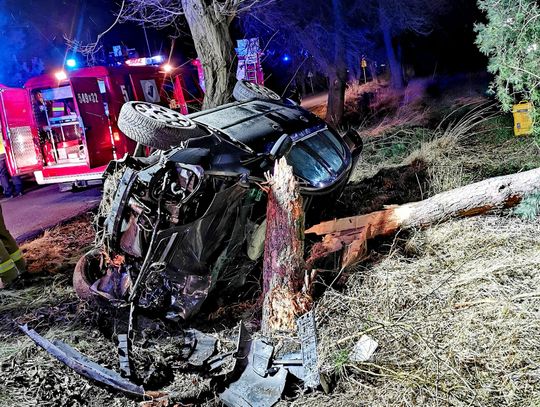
x=352 y=234
x=511 y=40
x=283 y=269
x=328 y=33
x=392 y=18
x=209 y=23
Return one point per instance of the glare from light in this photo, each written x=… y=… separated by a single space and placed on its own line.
x=71 y=63
x=60 y=75
x=167 y=68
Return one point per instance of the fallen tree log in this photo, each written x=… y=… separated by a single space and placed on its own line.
x=283 y=267
x=351 y=234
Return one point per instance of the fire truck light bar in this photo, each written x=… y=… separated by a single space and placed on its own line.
x=156 y=60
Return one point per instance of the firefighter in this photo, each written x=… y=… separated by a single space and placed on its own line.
x=6 y=180
x=12 y=263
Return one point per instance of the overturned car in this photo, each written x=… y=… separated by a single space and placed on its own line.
x=190 y=217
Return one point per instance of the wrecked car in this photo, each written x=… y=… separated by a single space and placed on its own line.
x=190 y=217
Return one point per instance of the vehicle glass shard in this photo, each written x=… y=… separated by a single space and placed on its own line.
x=307 y=333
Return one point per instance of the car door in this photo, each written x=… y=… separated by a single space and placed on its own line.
x=94 y=121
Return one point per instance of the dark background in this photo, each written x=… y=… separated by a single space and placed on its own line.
x=32 y=28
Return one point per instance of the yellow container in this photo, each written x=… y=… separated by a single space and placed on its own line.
x=523 y=122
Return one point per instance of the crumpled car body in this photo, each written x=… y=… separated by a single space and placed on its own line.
x=177 y=223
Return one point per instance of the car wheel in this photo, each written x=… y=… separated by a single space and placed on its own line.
x=244 y=91
x=87 y=272
x=156 y=126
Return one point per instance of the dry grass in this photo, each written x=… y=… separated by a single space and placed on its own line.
x=472 y=143
x=59 y=248
x=456 y=312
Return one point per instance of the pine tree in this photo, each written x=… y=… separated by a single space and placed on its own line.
x=511 y=40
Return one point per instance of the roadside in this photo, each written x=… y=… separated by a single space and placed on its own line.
x=45 y=207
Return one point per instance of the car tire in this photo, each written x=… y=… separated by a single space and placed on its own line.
x=85 y=274
x=244 y=91
x=156 y=126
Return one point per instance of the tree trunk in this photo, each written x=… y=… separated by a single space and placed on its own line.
x=336 y=97
x=283 y=268
x=352 y=233
x=396 y=73
x=338 y=75
x=215 y=49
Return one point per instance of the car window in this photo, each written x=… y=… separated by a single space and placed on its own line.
x=318 y=158
x=323 y=145
x=307 y=167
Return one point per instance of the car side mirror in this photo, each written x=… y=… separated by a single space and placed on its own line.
x=281 y=147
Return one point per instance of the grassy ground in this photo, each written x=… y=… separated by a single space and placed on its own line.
x=454 y=308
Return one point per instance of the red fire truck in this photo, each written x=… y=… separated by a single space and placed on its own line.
x=63 y=127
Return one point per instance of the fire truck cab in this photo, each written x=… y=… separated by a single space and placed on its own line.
x=63 y=129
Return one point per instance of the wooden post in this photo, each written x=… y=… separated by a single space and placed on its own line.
x=284 y=268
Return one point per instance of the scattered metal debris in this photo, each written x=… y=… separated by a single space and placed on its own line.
x=252 y=390
x=364 y=349
x=257 y=385
x=308 y=336
x=123 y=355
x=293 y=363
x=257 y=379
x=203 y=348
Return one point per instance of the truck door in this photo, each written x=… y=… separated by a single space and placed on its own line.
x=19 y=132
x=94 y=121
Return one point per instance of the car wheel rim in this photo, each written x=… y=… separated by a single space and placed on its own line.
x=163 y=115
x=261 y=90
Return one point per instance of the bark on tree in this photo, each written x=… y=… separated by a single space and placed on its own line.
x=352 y=233
x=338 y=75
x=215 y=49
x=283 y=269
x=336 y=96
x=396 y=73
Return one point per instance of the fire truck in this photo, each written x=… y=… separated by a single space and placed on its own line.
x=63 y=127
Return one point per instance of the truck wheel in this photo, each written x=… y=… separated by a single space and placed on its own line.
x=155 y=126
x=87 y=271
x=244 y=91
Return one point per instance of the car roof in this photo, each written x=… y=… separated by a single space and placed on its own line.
x=255 y=121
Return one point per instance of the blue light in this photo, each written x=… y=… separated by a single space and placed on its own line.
x=71 y=63
x=286 y=58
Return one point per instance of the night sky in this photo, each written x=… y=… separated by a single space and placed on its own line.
x=32 y=28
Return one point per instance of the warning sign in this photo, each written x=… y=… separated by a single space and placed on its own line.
x=150 y=90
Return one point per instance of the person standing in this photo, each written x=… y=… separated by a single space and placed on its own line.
x=12 y=263
x=12 y=186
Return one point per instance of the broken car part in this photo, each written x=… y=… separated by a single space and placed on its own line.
x=254 y=384
x=123 y=355
x=307 y=333
x=79 y=363
x=203 y=349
